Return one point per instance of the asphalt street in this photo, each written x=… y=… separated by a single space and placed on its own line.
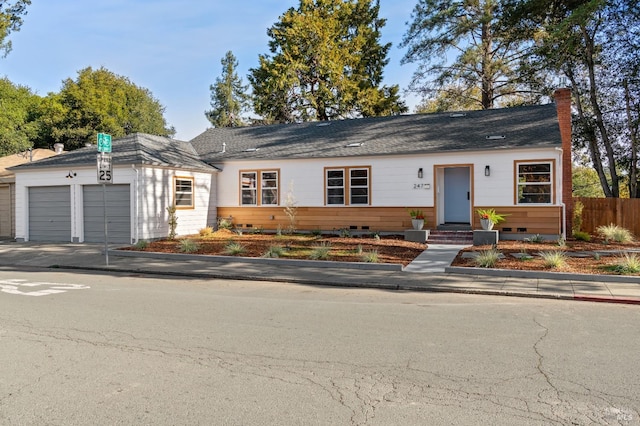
x=81 y=348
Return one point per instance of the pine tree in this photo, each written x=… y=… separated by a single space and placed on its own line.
x=228 y=96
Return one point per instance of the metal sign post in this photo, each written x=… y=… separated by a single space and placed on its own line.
x=105 y=175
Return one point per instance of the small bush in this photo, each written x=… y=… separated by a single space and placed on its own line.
x=535 y=239
x=321 y=252
x=629 y=263
x=188 y=246
x=578 y=207
x=370 y=256
x=257 y=230
x=487 y=258
x=344 y=233
x=233 y=248
x=561 y=242
x=141 y=244
x=224 y=223
x=582 y=236
x=554 y=259
x=274 y=252
x=359 y=249
x=615 y=233
x=316 y=232
x=279 y=231
x=524 y=255
x=205 y=232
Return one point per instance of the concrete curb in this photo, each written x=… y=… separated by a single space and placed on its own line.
x=541 y=274
x=262 y=260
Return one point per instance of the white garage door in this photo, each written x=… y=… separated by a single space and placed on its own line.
x=50 y=213
x=118 y=213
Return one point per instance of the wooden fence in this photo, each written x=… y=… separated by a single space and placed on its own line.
x=624 y=212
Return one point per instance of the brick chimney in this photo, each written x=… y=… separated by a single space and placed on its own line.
x=562 y=99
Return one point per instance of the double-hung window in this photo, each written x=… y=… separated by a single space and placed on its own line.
x=259 y=187
x=183 y=192
x=534 y=182
x=347 y=186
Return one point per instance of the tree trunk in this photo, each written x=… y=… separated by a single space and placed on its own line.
x=633 y=168
x=593 y=98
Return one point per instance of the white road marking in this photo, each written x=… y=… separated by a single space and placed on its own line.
x=12 y=286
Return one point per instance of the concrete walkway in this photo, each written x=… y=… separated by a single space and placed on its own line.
x=429 y=272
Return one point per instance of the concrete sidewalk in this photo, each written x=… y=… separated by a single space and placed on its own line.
x=429 y=272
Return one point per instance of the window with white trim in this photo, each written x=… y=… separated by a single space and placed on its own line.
x=347 y=186
x=258 y=187
x=535 y=183
x=183 y=192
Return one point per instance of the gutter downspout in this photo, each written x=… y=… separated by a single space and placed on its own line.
x=563 y=225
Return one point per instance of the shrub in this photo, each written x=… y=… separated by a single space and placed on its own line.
x=582 y=236
x=205 y=232
x=615 y=233
x=234 y=248
x=344 y=233
x=359 y=249
x=524 y=255
x=370 y=256
x=321 y=252
x=173 y=222
x=141 y=244
x=554 y=259
x=257 y=230
x=188 y=246
x=316 y=232
x=578 y=207
x=224 y=223
x=274 y=251
x=537 y=239
x=487 y=258
x=629 y=263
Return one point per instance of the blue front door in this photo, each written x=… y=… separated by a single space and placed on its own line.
x=457 y=195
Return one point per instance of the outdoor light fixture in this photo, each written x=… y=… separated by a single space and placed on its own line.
x=71 y=174
x=487 y=171
x=420 y=174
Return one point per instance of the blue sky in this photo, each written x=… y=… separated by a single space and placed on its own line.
x=173 y=48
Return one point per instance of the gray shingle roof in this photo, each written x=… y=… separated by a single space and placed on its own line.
x=530 y=126
x=136 y=149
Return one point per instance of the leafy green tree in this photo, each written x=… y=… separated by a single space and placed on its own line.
x=594 y=44
x=228 y=96
x=100 y=102
x=10 y=20
x=326 y=63
x=18 y=117
x=466 y=57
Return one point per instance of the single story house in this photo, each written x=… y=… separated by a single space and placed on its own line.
x=360 y=174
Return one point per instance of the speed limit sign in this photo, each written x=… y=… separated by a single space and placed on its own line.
x=105 y=173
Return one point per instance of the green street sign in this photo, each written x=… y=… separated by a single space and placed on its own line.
x=104 y=142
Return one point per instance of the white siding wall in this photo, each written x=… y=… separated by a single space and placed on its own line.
x=394 y=179
x=158 y=195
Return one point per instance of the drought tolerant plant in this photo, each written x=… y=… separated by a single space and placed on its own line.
x=524 y=255
x=370 y=256
x=487 y=258
x=224 y=223
x=234 y=248
x=615 y=233
x=582 y=236
x=274 y=251
x=344 y=233
x=316 y=232
x=187 y=245
x=537 y=239
x=629 y=263
x=359 y=249
x=205 y=232
x=291 y=208
x=141 y=244
x=554 y=259
x=578 y=207
x=321 y=252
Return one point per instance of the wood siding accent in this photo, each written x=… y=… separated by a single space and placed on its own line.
x=624 y=212
x=535 y=219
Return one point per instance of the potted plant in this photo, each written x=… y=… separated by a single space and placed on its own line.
x=489 y=217
x=417 y=219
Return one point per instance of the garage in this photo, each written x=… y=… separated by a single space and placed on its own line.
x=6 y=211
x=50 y=213
x=118 y=213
